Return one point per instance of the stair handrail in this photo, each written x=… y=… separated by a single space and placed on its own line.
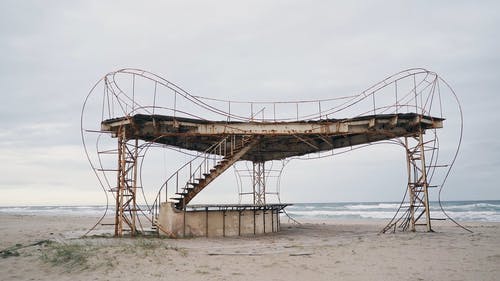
x=219 y=149
x=206 y=155
x=204 y=167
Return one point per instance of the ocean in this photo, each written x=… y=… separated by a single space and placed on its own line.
x=488 y=211
x=458 y=210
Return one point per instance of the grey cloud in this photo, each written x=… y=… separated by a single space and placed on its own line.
x=51 y=53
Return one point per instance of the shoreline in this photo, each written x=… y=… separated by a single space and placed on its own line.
x=462 y=211
x=313 y=250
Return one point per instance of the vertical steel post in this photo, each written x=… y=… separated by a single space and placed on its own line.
x=411 y=184
x=424 y=183
x=134 y=188
x=126 y=189
x=417 y=184
x=119 y=185
x=259 y=183
x=206 y=221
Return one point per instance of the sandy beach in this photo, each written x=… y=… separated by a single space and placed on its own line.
x=337 y=250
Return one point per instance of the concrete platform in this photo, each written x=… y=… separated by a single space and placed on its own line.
x=219 y=220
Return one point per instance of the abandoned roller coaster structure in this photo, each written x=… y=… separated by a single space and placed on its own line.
x=131 y=112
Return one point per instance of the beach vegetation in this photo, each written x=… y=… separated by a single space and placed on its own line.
x=182 y=251
x=146 y=244
x=9 y=253
x=71 y=256
x=14 y=250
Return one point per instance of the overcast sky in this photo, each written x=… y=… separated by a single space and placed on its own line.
x=52 y=52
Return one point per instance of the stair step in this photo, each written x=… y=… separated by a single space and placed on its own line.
x=219 y=166
x=186 y=190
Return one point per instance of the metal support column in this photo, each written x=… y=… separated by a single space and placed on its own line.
x=418 y=186
x=126 y=205
x=259 y=183
x=416 y=212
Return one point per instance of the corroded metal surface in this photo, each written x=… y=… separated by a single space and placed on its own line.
x=143 y=110
x=279 y=139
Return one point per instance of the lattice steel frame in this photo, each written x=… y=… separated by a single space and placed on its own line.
x=126 y=203
x=418 y=185
x=416 y=211
x=259 y=183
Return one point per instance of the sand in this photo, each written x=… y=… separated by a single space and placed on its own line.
x=337 y=250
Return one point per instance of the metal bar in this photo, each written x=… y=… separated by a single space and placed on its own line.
x=272 y=220
x=224 y=223
x=410 y=190
x=396 y=90
x=175 y=103
x=278 y=224
x=415 y=90
x=118 y=190
x=133 y=92
x=264 y=218
x=239 y=223
x=206 y=221
x=319 y=105
x=154 y=98
x=425 y=184
x=374 y=106
x=134 y=188
x=254 y=225
x=184 y=222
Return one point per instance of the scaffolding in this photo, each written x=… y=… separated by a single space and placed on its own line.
x=259 y=183
x=126 y=208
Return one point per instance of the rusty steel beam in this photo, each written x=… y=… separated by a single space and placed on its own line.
x=279 y=140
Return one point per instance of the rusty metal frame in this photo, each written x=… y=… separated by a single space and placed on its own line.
x=120 y=105
x=259 y=183
x=418 y=185
x=263 y=182
x=415 y=212
x=126 y=218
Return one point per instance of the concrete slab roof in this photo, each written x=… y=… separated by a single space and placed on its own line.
x=277 y=140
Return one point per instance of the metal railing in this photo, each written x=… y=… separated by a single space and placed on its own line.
x=208 y=159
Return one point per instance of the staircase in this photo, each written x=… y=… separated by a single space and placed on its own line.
x=202 y=170
x=203 y=175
